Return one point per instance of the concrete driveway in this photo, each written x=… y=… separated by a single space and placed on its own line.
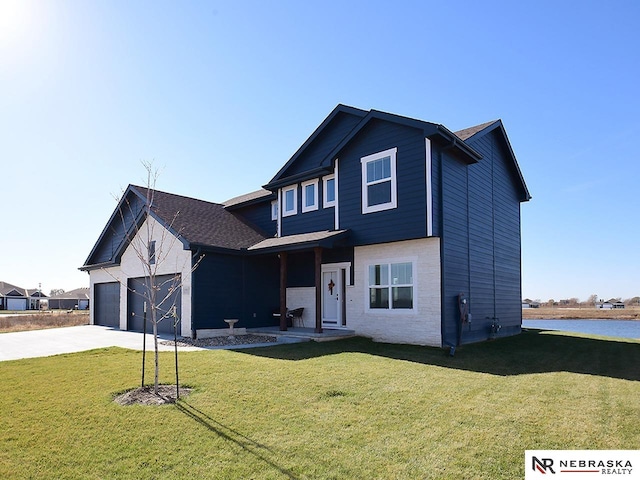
x=54 y=341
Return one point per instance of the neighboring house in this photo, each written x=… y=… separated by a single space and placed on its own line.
x=610 y=304
x=392 y=227
x=77 y=299
x=18 y=298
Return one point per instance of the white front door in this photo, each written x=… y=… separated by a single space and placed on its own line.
x=331 y=297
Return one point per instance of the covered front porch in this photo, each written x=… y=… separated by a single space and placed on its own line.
x=309 y=254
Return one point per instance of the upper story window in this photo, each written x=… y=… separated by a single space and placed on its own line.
x=274 y=210
x=289 y=201
x=379 y=181
x=310 y=196
x=329 y=191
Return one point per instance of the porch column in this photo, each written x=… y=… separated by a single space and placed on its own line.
x=318 y=266
x=283 y=291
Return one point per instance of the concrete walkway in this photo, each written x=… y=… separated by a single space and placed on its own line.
x=54 y=341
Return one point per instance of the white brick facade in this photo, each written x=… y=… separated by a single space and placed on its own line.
x=171 y=259
x=422 y=325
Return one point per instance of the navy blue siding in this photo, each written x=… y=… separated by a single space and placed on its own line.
x=492 y=235
x=259 y=215
x=455 y=243
x=301 y=265
x=326 y=141
x=228 y=286
x=313 y=221
x=408 y=220
x=115 y=235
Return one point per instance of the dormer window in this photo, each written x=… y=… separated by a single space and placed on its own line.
x=310 y=196
x=379 y=181
x=274 y=210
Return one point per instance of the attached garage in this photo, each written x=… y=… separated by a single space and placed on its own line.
x=169 y=294
x=106 y=304
x=16 y=303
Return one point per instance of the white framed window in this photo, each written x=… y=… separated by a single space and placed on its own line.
x=289 y=201
x=391 y=286
x=310 y=196
x=379 y=190
x=274 y=210
x=329 y=191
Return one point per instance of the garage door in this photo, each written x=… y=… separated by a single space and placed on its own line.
x=106 y=304
x=137 y=296
x=16 y=303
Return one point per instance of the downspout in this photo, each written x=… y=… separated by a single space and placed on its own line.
x=193 y=294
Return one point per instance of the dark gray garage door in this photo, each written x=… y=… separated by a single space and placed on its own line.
x=168 y=288
x=106 y=304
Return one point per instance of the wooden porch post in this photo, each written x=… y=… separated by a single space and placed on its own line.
x=318 y=266
x=283 y=291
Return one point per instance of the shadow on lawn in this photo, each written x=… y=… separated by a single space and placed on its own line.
x=232 y=436
x=533 y=351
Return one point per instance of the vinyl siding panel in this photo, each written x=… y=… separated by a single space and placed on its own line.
x=228 y=286
x=316 y=152
x=313 y=221
x=406 y=221
x=259 y=215
x=117 y=231
x=481 y=242
x=455 y=244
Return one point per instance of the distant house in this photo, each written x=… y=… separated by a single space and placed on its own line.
x=18 y=298
x=77 y=299
x=394 y=228
x=527 y=303
x=610 y=304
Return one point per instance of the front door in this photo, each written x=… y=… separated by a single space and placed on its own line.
x=332 y=298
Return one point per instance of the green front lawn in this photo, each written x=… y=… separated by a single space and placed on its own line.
x=347 y=409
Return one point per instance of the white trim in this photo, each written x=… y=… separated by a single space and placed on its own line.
x=285 y=212
x=314 y=206
x=335 y=207
x=427 y=146
x=338 y=268
x=274 y=210
x=328 y=203
x=393 y=203
x=389 y=261
x=279 y=224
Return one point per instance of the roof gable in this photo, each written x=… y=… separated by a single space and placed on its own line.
x=472 y=134
x=5 y=288
x=196 y=223
x=308 y=159
x=293 y=172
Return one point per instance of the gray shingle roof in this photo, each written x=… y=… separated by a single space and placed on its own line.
x=471 y=131
x=248 y=197
x=202 y=223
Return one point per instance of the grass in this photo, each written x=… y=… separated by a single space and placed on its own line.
x=28 y=320
x=345 y=409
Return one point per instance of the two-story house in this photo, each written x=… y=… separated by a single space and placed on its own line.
x=394 y=228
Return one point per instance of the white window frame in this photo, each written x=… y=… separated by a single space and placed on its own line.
x=325 y=202
x=393 y=203
x=294 y=211
x=390 y=310
x=314 y=205
x=274 y=210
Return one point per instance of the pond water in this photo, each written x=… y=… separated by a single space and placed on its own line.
x=609 y=328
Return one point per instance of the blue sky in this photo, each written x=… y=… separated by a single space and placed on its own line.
x=220 y=94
